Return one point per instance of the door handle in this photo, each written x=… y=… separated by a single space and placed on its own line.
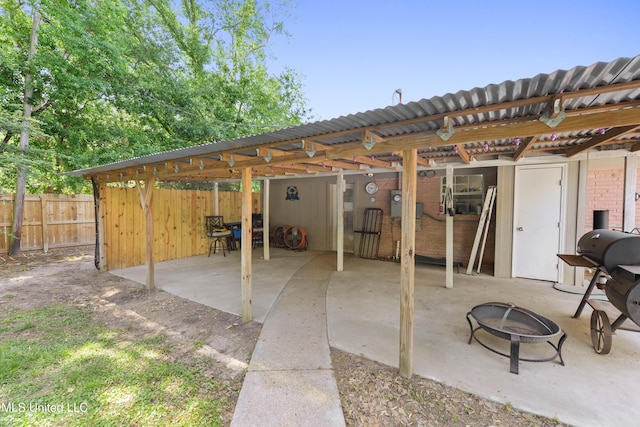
x=520 y=228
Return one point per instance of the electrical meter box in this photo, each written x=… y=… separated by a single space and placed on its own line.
x=396 y=205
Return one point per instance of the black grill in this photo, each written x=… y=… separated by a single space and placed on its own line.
x=617 y=254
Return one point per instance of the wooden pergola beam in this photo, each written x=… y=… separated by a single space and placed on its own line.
x=532 y=127
x=373 y=162
x=524 y=147
x=463 y=154
x=483 y=109
x=337 y=164
x=424 y=162
x=635 y=147
x=620 y=115
x=600 y=139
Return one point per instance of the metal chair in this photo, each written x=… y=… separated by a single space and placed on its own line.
x=257 y=235
x=217 y=232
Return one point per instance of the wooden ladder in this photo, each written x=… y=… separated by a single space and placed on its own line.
x=483 y=229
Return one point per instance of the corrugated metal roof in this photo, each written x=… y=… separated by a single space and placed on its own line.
x=392 y=121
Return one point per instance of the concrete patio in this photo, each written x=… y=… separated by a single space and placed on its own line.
x=362 y=317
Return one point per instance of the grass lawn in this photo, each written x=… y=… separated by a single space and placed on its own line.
x=58 y=367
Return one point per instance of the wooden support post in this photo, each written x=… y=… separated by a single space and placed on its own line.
x=216 y=199
x=265 y=219
x=407 y=261
x=449 y=235
x=45 y=229
x=247 y=233
x=146 y=200
x=102 y=229
x=630 y=179
x=581 y=215
x=340 y=225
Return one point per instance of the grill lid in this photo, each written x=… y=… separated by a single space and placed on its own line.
x=610 y=248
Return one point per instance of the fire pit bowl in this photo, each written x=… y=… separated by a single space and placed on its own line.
x=518 y=325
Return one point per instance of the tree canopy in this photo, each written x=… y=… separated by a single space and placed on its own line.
x=115 y=79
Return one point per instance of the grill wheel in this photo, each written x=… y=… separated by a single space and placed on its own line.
x=600 y=332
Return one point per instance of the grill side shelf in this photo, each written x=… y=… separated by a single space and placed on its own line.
x=582 y=261
x=577 y=260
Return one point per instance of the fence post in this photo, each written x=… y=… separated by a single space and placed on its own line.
x=44 y=223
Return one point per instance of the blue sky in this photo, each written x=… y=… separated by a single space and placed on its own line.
x=353 y=55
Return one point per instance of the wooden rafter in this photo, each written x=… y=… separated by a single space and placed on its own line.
x=524 y=146
x=371 y=161
x=573 y=123
x=424 y=162
x=335 y=164
x=600 y=139
x=463 y=154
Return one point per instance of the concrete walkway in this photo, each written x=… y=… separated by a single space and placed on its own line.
x=290 y=381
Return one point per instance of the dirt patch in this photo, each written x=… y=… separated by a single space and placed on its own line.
x=371 y=394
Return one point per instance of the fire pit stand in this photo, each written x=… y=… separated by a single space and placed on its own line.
x=518 y=325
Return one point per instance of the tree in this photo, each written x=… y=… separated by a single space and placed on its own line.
x=115 y=79
x=118 y=79
x=16 y=235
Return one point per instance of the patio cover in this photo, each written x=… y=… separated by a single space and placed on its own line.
x=563 y=114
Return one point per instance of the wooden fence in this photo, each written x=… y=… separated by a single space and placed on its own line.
x=179 y=225
x=52 y=221
x=49 y=221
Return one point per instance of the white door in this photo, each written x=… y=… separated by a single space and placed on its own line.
x=538 y=213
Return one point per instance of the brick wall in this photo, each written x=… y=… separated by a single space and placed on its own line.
x=430 y=228
x=605 y=191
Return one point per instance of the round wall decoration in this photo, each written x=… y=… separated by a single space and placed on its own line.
x=371 y=188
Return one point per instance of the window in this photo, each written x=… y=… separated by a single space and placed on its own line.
x=468 y=192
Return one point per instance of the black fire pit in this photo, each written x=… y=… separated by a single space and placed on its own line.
x=518 y=325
